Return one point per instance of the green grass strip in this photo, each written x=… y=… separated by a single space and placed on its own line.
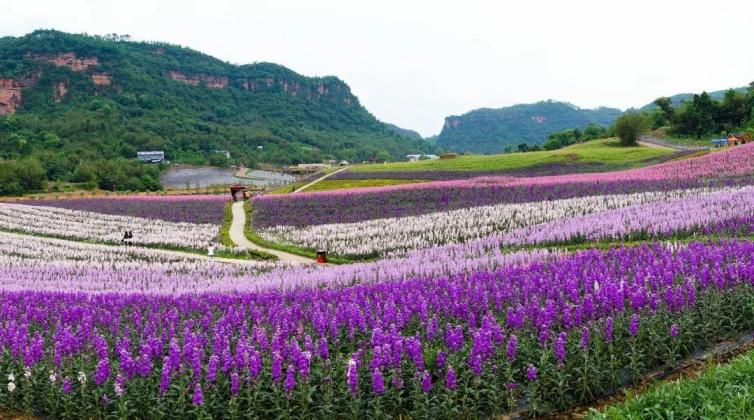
x=721 y=391
x=291 y=249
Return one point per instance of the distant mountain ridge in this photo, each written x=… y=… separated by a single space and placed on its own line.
x=403 y=131
x=489 y=130
x=680 y=98
x=107 y=97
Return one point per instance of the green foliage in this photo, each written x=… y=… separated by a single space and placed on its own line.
x=629 y=127
x=603 y=152
x=722 y=391
x=21 y=176
x=572 y=136
x=293 y=118
x=493 y=130
x=703 y=115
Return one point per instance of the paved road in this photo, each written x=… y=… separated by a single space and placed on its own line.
x=239 y=238
x=649 y=140
x=319 y=179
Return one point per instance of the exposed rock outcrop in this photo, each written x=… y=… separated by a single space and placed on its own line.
x=59 y=89
x=67 y=59
x=102 y=79
x=452 y=122
x=215 y=82
x=10 y=96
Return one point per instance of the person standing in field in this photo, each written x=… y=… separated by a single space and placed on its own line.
x=211 y=250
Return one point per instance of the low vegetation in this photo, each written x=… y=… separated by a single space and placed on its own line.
x=598 y=151
x=721 y=391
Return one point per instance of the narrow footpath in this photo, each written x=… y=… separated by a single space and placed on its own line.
x=319 y=179
x=239 y=238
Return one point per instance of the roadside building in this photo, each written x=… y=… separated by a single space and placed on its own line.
x=152 y=156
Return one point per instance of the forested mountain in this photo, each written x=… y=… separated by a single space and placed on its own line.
x=66 y=99
x=403 y=131
x=680 y=98
x=493 y=130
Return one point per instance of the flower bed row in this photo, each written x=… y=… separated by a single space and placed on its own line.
x=33 y=263
x=730 y=167
x=397 y=235
x=91 y=226
x=202 y=209
x=546 y=336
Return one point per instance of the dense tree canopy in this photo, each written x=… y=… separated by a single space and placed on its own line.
x=260 y=112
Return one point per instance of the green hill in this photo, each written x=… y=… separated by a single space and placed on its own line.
x=680 y=98
x=493 y=130
x=403 y=131
x=72 y=98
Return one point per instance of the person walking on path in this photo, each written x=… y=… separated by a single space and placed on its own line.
x=211 y=250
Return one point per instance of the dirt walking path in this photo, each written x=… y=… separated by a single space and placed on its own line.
x=319 y=179
x=156 y=250
x=239 y=238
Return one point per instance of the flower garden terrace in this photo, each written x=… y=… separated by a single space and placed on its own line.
x=546 y=334
x=725 y=168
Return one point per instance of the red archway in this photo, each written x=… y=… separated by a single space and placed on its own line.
x=235 y=189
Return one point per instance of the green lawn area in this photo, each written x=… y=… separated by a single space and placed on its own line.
x=606 y=151
x=339 y=184
x=721 y=391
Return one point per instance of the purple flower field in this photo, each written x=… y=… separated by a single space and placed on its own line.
x=726 y=168
x=483 y=342
x=173 y=208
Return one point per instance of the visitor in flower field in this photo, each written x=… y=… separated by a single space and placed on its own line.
x=211 y=250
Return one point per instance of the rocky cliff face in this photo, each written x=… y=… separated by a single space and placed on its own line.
x=66 y=59
x=10 y=96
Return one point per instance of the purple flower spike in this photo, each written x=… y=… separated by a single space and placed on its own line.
x=531 y=373
x=426 y=382
x=512 y=346
x=378 y=383
x=450 y=378
x=290 y=379
x=198 y=398
x=674 y=330
x=609 y=329
x=67 y=385
x=633 y=328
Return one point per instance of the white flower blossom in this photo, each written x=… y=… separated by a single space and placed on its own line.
x=82 y=378
x=11 y=387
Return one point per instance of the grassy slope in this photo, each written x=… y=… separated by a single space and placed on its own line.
x=252 y=236
x=336 y=184
x=604 y=151
x=722 y=391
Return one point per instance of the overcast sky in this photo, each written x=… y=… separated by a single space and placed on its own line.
x=415 y=62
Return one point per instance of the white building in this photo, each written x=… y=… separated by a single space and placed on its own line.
x=413 y=158
x=154 y=156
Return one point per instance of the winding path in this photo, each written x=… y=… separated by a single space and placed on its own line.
x=319 y=179
x=239 y=238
